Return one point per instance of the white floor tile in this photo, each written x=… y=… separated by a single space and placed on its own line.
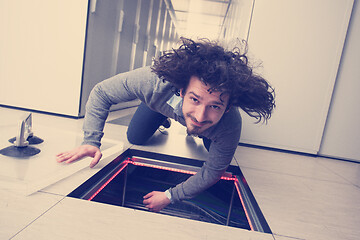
x=306 y=208
x=301 y=197
x=279 y=237
x=285 y=163
x=18 y=211
x=175 y=142
x=79 y=219
x=350 y=171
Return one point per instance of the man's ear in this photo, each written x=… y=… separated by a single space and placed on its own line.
x=228 y=108
x=182 y=93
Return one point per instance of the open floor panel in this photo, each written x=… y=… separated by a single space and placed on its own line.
x=129 y=177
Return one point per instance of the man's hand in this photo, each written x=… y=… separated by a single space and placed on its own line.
x=80 y=152
x=156 y=201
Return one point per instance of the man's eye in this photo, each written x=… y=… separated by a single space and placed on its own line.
x=215 y=107
x=194 y=100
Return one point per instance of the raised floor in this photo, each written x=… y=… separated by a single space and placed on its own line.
x=301 y=197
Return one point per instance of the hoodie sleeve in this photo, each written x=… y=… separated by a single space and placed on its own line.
x=124 y=87
x=221 y=152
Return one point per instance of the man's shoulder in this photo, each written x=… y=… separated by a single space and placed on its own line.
x=228 y=128
x=230 y=123
x=148 y=81
x=232 y=118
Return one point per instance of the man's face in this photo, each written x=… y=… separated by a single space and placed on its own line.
x=201 y=108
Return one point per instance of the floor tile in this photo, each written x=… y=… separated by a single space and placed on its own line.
x=302 y=197
x=70 y=183
x=285 y=163
x=279 y=237
x=174 y=141
x=350 y=171
x=306 y=208
x=18 y=211
x=79 y=219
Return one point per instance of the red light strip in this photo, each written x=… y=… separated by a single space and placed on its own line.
x=228 y=178
x=236 y=182
x=129 y=160
x=171 y=169
x=160 y=167
x=109 y=180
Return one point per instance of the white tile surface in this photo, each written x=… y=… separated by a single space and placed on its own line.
x=80 y=219
x=285 y=163
x=36 y=172
x=306 y=208
x=176 y=142
x=16 y=211
x=70 y=183
x=301 y=197
x=349 y=171
x=279 y=237
x=10 y=117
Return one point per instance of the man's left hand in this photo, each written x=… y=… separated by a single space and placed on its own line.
x=156 y=201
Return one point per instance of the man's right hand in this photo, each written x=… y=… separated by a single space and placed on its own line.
x=80 y=152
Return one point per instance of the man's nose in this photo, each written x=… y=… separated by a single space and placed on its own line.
x=200 y=114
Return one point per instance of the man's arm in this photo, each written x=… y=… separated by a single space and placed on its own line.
x=80 y=152
x=156 y=201
x=221 y=153
x=137 y=84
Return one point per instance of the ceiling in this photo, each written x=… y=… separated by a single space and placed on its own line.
x=200 y=18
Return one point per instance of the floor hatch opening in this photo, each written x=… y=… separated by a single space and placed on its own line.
x=132 y=175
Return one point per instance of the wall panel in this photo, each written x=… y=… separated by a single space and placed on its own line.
x=299 y=44
x=342 y=132
x=42 y=50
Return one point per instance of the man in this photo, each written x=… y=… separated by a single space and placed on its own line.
x=200 y=85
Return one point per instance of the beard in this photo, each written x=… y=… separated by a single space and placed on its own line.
x=194 y=130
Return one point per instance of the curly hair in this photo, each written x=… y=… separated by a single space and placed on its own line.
x=225 y=71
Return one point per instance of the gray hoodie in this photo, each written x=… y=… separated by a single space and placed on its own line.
x=159 y=96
